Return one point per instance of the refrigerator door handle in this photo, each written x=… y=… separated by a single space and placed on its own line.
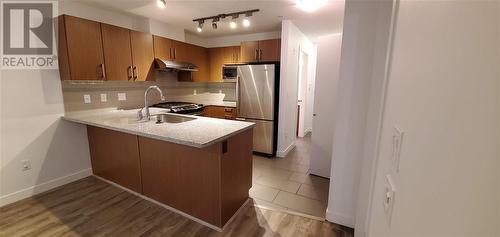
x=238 y=94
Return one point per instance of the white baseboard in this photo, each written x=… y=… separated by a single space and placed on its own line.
x=286 y=151
x=43 y=187
x=340 y=219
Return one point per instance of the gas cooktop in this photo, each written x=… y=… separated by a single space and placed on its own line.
x=180 y=107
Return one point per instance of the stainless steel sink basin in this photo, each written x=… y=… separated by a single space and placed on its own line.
x=172 y=118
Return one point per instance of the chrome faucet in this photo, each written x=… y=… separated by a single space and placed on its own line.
x=146 y=107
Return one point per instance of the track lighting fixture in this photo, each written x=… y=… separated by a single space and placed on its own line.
x=161 y=3
x=232 y=23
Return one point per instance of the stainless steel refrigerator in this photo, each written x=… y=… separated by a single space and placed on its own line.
x=257 y=95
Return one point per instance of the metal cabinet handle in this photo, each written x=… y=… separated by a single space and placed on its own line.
x=135 y=72
x=175 y=53
x=129 y=72
x=256 y=54
x=260 y=54
x=103 y=71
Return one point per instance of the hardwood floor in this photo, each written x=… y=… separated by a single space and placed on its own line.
x=91 y=207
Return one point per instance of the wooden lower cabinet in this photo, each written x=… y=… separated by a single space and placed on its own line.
x=208 y=183
x=219 y=112
x=115 y=157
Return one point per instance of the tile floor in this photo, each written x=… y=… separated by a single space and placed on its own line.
x=284 y=183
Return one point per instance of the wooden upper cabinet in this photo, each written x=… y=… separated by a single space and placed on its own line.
x=180 y=51
x=117 y=52
x=84 y=49
x=162 y=48
x=249 y=51
x=216 y=56
x=269 y=50
x=199 y=56
x=142 y=55
x=261 y=51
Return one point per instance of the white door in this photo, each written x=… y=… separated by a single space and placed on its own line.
x=327 y=76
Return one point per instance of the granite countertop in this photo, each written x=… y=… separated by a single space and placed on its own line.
x=200 y=132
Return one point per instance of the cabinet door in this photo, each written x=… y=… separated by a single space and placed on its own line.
x=228 y=55
x=142 y=55
x=162 y=48
x=237 y=54
x=269 y=50
x=180 y=51
x=214 y=112
x=249 y=50
x=85 y=54
x=199 y=56
x=115 y=157
x=216 y=56
x=117 y=52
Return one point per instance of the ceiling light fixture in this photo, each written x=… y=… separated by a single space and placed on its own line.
x=200 y=26
x=161 y=4
x=214 y=23
x=232 y=24
x=310 y=5
x=246 y=22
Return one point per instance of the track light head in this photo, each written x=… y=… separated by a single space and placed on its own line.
x=214 y=25
x=200 y=26
x=161 y=4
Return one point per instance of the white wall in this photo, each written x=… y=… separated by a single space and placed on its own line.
x=443 y=91
x=292 y=39
x=31 y=128
x=231 y=40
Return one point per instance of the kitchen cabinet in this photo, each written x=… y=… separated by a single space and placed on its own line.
x=142 y=55
x=80 y=47
x=208 y=183
x=180 y=51
x=115 y=157
x=219 y=57
x=117 y=52
x=261 y=51
x=162 y=48
x=219 y=112
x=199 y=56
x=128 y=54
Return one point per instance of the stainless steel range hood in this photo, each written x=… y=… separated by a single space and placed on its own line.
x=166 y=65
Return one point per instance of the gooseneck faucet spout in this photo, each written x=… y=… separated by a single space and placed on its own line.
x=146 y=106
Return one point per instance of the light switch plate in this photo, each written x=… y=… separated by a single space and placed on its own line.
x=195 y=92
x=389 y=197
x=122 y=96
x=104 y=97
x=86 y=99
x=397 y=143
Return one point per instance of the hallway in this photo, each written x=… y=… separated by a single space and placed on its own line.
x=284 y=183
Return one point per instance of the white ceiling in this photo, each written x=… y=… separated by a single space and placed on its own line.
x=180 y=13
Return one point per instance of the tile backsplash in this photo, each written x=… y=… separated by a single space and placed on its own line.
x=208 y=93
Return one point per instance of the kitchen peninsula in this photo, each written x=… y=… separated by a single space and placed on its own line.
x=197 y=166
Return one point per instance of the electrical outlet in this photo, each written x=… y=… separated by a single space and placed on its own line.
x=122 y=96
x=104 y=97
x=397 y=143
x=86 y=99
x=389 y=196
x=195 y=92
x=220 y=91
x=26 y=165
